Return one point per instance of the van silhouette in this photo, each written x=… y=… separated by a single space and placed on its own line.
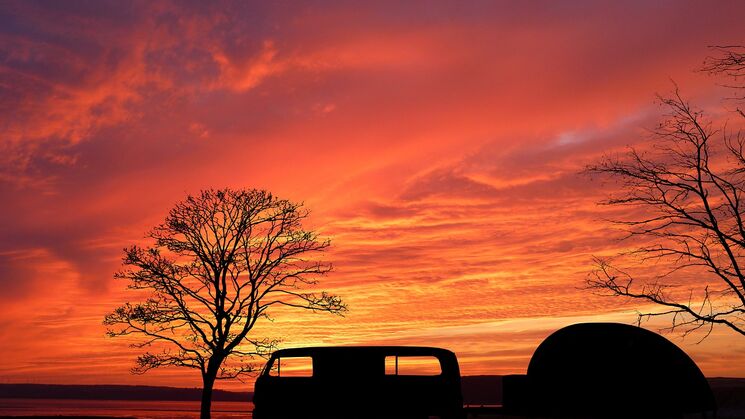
x=359 y=381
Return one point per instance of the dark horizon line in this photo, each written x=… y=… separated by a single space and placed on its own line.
x=719 y=377
x=232 y=392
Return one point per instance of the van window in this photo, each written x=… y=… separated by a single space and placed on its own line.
x=292 y=366
x=412 y=365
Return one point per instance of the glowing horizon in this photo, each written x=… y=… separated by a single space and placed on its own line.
x=438 y=146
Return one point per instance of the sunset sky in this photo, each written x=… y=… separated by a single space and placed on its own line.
x=438 y=145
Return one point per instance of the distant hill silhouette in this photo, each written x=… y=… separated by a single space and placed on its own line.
x=729 y=392
x=481 y=389
x=113 y=392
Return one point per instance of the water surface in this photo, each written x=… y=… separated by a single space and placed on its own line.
x=143 y=409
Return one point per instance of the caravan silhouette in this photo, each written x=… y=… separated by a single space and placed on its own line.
x=608 y=370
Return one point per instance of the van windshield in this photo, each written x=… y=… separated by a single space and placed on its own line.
x=292 y=366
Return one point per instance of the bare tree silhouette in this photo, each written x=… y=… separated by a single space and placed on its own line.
x=690 y=188
x=729 y=61
x=220 y=261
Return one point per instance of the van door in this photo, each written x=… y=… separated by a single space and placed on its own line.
x=414 y=384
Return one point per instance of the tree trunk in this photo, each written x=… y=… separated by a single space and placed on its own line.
x=208 y=381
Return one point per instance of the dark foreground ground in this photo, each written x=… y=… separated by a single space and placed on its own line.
x=486 y=390
x=477 y=391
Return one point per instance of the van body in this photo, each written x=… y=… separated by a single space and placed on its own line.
x=359 y=381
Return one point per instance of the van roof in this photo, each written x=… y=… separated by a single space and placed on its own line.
x=365 y=350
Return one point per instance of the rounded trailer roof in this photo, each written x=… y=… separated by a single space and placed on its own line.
x=614 y=369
